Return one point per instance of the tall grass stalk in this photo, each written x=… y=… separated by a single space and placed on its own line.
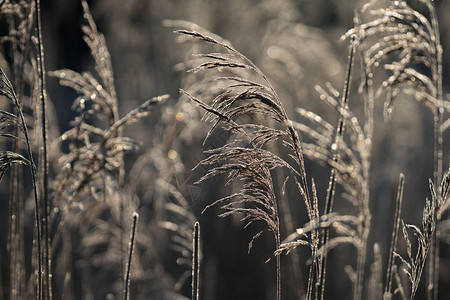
x=433 y=263
x=126 y=291
x=45 y=202
x=332 y=182
x=393 y=249
x=196 y=262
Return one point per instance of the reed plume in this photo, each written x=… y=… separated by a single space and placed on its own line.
x=245 y=159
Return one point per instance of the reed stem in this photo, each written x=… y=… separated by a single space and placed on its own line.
x=393 y=248
x=196 y=262
x=126 y=290
x=332 y=183
x=45 y=203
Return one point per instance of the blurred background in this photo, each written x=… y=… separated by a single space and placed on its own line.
x=296 y=43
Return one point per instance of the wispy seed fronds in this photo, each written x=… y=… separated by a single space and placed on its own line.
x=433 y=210
x=97 y=43
x=8 y=158
x=411 y=40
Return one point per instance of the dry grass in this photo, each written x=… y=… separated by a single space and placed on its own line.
x=258 y=155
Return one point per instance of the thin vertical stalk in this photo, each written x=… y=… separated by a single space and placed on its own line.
x=332 y=182
x=126 y=290
x=16 y=235
x=362 y=252
x=10 y=240
x=196 y=262
x=277 y=241
x=375 y=279
x=121 y=237
x=433 y=261
x=10 y=245
x=20 y=236
x=21 y=225
x=45 y=203
x=278 y=265
x=393 y=248
x=312 y=271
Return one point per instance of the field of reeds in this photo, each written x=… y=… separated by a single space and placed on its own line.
x=242 y=149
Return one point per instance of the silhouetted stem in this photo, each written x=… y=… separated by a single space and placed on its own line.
x=332 y=183
x=196 y=262
x=126 y=291
x=277 y=241
x=393 y=249
x=45 y=208
x=433 y=261
x=362 y=252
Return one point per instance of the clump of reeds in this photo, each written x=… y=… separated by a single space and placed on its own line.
x=245 y=158
x=23 y=18
x=411 y=41
x=97 y=146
